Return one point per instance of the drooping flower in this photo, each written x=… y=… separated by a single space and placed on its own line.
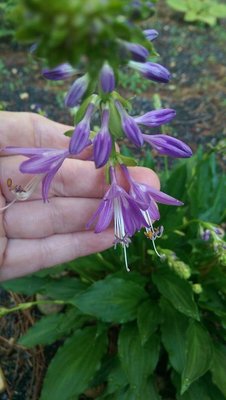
x=107 y=78
x=150 y=34
x=129 y=126
x=80 y=137
x=152 y=71
x=118 y=205
x=168 y=145
x=136 y=51
x=147 y=198
x=42 y=162
x=156 y=117
x=61 y=72
x=77 y=91
x=102 y=143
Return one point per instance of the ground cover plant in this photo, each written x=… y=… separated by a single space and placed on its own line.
x=157 y=331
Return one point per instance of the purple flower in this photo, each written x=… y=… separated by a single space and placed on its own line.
x=151 y=34
x=206 y=235
x=147 y=198
x=118 y=205
x=77 y=91
x=102 y=143
x=42 y=162
x=62 y=71
x=80 y=137
x=156 y=117
x=152 y=71
x=137 y=52
x=129 y=126
x=168 y=145
x=107 y=79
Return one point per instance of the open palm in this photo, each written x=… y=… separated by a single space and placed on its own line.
x=34 y=235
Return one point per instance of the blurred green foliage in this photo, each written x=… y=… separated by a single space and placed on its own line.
x=6 y=26
x=207 y=11
x=157 y=332
x=80 y=31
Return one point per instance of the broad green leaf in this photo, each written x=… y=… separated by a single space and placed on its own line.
x=218 y=368
x=148 y=319
x=138 y=362
x=198 y=354
x=27 y=285
x=64 y=288
x=173 y=328
x=74 y=365
x=177 y=5
x=177 y=291
x=197 y=390
x=111 y=300
x=52 y=327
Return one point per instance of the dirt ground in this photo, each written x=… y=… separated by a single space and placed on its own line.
x=195 y=55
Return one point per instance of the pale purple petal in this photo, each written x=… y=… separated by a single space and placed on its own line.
x=62 y=71
x=168 y=145
x=44 y=163
x=138 y=53
x=152 y=71
x=153 y=211
x=163 y=198
x=77 y=91
x=25 y=151
x=129 y=126
x=107 y=79
x=156 y=117
x=80 y=137
x=102 y=145
x=150 y=34
x=105 y=217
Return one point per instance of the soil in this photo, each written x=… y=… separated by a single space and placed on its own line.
x=195 y=55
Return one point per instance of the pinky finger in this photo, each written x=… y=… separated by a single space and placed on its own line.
x=26 y=256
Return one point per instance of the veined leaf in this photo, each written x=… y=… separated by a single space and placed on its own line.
x=218 y=368
x=177 y=291
x=74 y=365
x=148 y=319
x=138 y=362
x=198 y=354
x=52 y=327
x=111 y=300
x=173 y=328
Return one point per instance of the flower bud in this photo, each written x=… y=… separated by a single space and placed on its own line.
x=151 y=34
x=152 y=71
x=62 y=71
x=107 y=79
x=168 y=145
x=156 y=117
x=77 y=91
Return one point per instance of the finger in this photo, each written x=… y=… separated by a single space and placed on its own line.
x=34 y=219
x=25 y=256
x=31 y=130
x=76 y=178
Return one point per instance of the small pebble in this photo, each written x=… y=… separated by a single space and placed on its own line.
x=14 y=71
x=24 y=96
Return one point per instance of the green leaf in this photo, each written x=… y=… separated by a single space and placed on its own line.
x=177 y=5
x=218 y=367
x=111 y=300
x=198 y=354
x=69 y=133
x=115 y=125
x=51 y=328
x=129 y=161
x=64 y=288
x=148 y=319
x=177 y=291
x=173 y=328
x=138 y=362
x=27 y=285
x=74 y=365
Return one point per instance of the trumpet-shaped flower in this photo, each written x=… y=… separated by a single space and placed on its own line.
x=44 y=163
x=119 y=206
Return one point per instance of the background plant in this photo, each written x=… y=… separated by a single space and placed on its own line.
x=207 y=11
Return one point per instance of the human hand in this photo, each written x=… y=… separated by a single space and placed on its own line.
x=34 y=235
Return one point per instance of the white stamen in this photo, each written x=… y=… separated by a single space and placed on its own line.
x=22 y=194
x=149 y=221
x=120 y=234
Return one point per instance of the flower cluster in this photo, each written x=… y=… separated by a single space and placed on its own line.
x=129 y=210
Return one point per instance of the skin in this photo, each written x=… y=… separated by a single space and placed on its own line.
x=34 y=235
